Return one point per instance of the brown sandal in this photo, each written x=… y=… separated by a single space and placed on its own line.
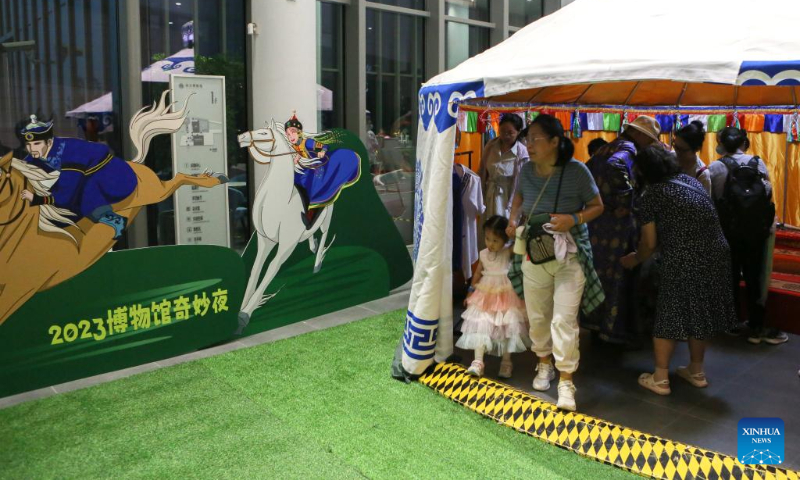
x=506 y=369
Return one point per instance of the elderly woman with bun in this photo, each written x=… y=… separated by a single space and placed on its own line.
x=677 y=216
x=688 y=141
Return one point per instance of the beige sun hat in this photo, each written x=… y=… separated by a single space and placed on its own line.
x=647 y=125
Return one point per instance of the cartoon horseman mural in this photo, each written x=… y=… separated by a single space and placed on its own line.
x=64 y=206
x=70 y=309
x=307 y=173
x=319 y=178
x=90 y=179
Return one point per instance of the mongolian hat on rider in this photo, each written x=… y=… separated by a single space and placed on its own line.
x=294 y=122
x=37 y=130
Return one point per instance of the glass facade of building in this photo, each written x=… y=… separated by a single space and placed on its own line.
x=203 y=41
x=469 y=9
x=464 y=41
x=330 y=65
x=413 y=4
x=523 y=12
x=61 y=60
x=57 y=58
x=395 y=70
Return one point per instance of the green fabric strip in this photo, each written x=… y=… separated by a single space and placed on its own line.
x=611 y=122
x=472 y=122
x=716 y=123
x=593 y=294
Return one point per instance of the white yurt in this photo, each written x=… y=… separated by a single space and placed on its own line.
x=683 y=58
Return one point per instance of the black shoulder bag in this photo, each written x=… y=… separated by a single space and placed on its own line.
x=540 y=244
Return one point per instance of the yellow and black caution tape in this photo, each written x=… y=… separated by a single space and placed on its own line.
x=622 y=447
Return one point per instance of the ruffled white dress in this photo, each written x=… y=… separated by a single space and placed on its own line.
x=495 y=318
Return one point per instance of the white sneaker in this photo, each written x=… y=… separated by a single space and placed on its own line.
x=546 y=374
x=566 y=395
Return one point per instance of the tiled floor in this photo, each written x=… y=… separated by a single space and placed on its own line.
x=744 y=381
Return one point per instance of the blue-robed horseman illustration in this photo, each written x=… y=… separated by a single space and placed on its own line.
x=91 y=179
x=320 y=174
x=295 y=200
x=57 y=204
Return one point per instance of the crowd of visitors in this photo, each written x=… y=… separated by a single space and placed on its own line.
x=575 y=242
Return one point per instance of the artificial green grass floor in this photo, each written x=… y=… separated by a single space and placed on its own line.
x=321 y=405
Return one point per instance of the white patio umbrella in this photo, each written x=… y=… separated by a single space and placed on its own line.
x=181 y=63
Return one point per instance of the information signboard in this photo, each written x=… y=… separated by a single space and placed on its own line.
x=201 y=214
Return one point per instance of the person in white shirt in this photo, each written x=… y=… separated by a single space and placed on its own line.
x=501 y=162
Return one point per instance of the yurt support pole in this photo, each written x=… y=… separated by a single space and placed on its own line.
x=578 y=101
x=630 y=95
x=535 y=95
x=677 y=106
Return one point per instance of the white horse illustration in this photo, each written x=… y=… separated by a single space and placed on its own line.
x=278 y=212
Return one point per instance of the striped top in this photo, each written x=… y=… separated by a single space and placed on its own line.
x=577 y=188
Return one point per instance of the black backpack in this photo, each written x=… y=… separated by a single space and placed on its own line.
x=745 y=208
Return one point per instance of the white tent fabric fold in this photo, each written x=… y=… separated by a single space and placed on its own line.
x=709 y=52
x=617 y=40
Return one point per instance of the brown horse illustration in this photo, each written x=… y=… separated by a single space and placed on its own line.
x=35 y=253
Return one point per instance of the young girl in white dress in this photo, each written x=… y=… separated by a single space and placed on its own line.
x=495 y=320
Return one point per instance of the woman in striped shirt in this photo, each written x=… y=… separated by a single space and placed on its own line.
x=555 y=183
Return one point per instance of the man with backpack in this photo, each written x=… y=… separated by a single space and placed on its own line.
x=743 y=195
